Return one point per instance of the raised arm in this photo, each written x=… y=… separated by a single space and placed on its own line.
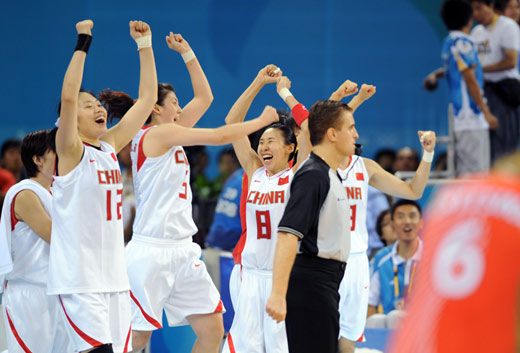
x=246 y=156
x=163 y=137
x=119 y=135
x=346 y=89
x=391 y=185
x=195 y=109
x=366 y=92
x=69 y=147
x=28 y=208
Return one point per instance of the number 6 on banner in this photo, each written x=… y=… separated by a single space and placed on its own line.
x=459 y=264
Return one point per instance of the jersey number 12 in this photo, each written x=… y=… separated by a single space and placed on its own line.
x=119 y=204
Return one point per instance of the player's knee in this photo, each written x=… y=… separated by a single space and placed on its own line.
x=210 y=328
x=140 y=339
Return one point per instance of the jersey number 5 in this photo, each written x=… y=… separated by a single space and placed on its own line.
x=263 y=224
x=119 y=204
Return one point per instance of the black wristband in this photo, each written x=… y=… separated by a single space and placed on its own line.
x=83 y=42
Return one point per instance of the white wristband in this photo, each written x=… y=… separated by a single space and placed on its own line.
x=284 y=93
x=428 y=156
x=188 y=56
x=144 y=42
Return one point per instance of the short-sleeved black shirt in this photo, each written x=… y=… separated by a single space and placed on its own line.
x=318 y=211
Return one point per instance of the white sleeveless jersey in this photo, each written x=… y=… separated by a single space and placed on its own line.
x=87 y=246
x=355 y=180
x=29 y=254
x=162 y=192
x=265 y=204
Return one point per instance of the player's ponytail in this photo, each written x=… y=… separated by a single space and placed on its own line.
x=116 y=103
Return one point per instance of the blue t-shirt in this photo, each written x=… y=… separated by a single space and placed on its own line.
x=226 y=228
x=459 y=53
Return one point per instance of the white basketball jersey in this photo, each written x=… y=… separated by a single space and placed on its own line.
x=87 y=246
x=29 y=254
x=162 y=192
x=265 y=204
x=355 y=180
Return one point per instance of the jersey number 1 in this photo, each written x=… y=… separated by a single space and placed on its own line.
x=353 y=218
x=263 y=224
x=119 y=204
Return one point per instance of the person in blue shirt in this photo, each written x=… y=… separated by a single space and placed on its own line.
x=226 y=228
x=393 y=268
x=463 y=71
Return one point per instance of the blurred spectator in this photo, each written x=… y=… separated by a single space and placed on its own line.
x=441 y=162
x=125 y=163
x=406 y=160
x=227 y=165
x=226 y=228
x=376 y=202
x=508 y=8
x=385 y=157
x=393 y=267
x=384 y=228
x=11 y=158
x=498 y=41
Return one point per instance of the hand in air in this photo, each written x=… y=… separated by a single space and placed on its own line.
x=427 y=139
x=284 y=82
x=347 y=88
x=269 y=115
x=269 y=74
x=139 y=29
x=367 y=91
x=177 y=43
x=84 y=27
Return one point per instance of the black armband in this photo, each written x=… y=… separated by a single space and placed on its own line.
x=83 y=42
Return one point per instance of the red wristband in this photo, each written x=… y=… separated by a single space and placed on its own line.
x=299 y=113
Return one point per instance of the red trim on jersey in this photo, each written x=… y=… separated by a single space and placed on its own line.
x=16 y=335
x=128 y=339
x=349 y=161
x=140 y=153
x=13 y=217
x=230 y=343
x=237 y=251
x=283 y=181
x=362 y=338
x=148 y=318
x=220 y=307
x=360 y=176
x=113 y=155
x=82 y=334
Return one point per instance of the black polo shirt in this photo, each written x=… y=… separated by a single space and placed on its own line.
x=318 y=211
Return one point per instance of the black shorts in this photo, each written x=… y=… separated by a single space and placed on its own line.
x=312 y=320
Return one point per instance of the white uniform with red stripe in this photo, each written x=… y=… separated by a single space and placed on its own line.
x=87 y=259
x=253 y=330
x=163 y=262
x=354 y=287
x=31 y=316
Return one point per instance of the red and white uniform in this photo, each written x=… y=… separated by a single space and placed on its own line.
x=163 y=262
x=87 y=259
x=354 y=287
x=253 y=330
x=31 y=317
x=466 y=296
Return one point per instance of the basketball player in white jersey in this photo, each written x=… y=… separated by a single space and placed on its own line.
x=164 y=264
x=87 y=269
x=357 y=173
x=31 y=316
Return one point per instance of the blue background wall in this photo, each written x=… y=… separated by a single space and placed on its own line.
x=318 y=44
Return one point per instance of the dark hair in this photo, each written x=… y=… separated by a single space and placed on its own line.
x=8 y=144
x=487 y=2
x=379 y=221
x=403 y=202
x=230 y=152
x=324 y=115
x=287 y=133
x=36 y=144
x=456 y=14
x=81 y=90
x=390 y=152
x=117 y=103
x=500 y=5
